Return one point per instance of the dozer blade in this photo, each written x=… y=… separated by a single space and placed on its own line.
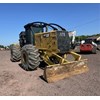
x=57 y=72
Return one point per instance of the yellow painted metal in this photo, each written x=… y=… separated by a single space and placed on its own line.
x=47 y=41
x=61 y=68
x=60 y=59
x=45 y=55
x=75 y=55
x=57 y=72
x=54 y=72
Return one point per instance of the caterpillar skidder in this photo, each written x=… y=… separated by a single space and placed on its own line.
x=51 y=44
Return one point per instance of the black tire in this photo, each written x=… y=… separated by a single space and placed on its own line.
x=22 y=40
x=94 y=50
x=30 y=57
x=15 y=53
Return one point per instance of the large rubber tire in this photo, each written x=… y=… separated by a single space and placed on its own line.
x=22 y=39
x=15 y=53
x=30 y=57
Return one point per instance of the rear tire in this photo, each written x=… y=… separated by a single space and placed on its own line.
x=15 y=53
x=30 y=57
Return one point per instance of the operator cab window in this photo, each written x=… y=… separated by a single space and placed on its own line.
x=37 y=30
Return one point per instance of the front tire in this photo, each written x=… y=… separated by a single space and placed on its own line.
x=30 y=57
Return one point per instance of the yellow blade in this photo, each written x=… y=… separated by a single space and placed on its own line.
x=57 y=72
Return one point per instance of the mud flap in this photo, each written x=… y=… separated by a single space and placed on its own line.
x=57 y=72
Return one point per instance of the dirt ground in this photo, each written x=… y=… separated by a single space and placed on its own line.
x=16 y=81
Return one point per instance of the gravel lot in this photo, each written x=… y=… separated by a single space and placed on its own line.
x=16 y=81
